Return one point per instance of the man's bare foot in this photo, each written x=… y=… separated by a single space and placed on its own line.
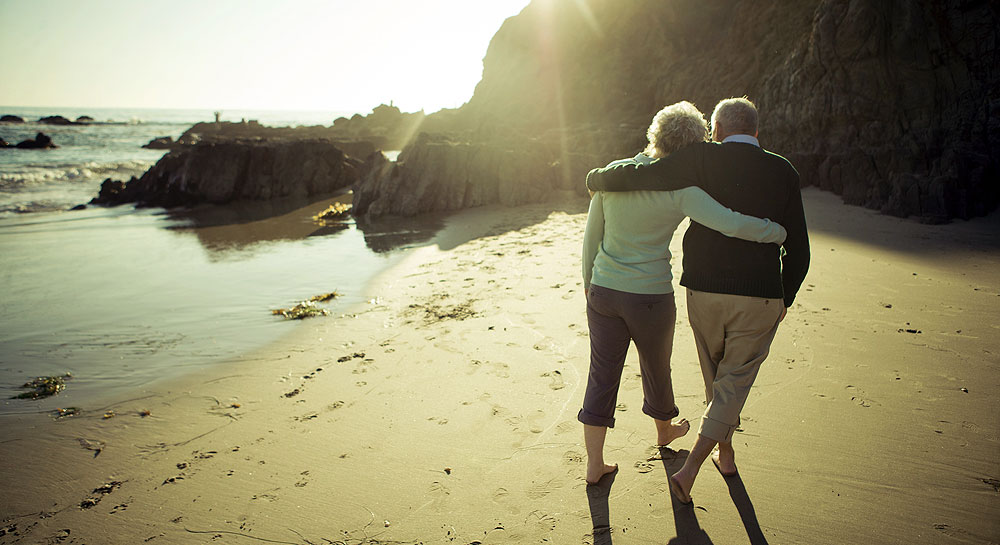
x=594 y=474
x=680 y=487
x=667 y=432
x=725 y=461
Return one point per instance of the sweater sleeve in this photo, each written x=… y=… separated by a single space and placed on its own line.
x=675 y=171
x=795 y=261
x=702 y=208
x=593 y=236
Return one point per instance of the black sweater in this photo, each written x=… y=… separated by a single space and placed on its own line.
x=747 y=179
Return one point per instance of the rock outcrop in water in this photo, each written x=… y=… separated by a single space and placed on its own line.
x=895 y=105
x=41 y=141
x=11 y=119
x=223 y=172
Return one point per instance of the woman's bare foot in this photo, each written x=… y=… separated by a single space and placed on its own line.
x=667 y=431
x=595 y=473
x=724 y=459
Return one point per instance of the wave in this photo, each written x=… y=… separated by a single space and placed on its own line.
x=26 y=178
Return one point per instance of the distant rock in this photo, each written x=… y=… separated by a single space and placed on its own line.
x=84 y=119
x=224 y=172
x=79 y=207
x=4 y=143
x=41 y=141
x=55 y=120
x=163 y=142
x=11 y=119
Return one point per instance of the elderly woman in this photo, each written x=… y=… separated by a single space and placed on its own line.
x=627 y=280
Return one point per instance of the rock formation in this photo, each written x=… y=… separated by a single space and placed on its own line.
x=895 y=105
x=230 y=171
x=162 y=142
x=11 y=119
x=41 y=141
x=55 y=120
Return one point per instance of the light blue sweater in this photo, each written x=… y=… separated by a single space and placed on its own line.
x=626 y=246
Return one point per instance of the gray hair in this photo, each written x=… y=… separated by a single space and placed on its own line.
x=674 y=127
x=736 y=116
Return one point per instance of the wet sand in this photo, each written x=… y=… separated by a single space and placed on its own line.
x=444 y=411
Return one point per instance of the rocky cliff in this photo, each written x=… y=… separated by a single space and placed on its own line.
x=238 y=170
x=893 y=104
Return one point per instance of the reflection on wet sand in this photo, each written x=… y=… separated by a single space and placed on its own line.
x=237 y=228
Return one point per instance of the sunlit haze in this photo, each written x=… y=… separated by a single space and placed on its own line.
x=246 y=54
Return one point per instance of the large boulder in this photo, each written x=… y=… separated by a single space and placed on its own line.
x=442 y=173
x=41 y=141
x=11 y=119
x=223 y=172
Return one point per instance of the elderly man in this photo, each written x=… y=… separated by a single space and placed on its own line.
x=737 y=291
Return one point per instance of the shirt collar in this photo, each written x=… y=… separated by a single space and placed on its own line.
x=742 y=138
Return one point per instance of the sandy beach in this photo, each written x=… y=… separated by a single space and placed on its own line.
x=443 y=410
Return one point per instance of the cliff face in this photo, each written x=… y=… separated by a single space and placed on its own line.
x=892 y=104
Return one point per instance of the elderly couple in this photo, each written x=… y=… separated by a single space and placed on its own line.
x=745 y=256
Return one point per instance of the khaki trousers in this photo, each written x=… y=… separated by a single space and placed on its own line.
x=733 y=334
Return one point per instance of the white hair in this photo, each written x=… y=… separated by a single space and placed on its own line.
x=735 y=116
x=674 y=127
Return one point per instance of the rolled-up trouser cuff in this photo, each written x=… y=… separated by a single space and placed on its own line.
x=593 y=420
x=717 y=431
x=660 y=415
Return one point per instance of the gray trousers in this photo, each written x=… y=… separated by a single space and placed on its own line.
x=616 y=318
x=733 y=334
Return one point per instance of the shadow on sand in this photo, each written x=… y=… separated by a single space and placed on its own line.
x=689 y=531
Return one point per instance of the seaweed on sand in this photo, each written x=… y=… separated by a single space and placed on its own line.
x=305 y=309
x=336 y=212
x=44 y=387
x=322 y=298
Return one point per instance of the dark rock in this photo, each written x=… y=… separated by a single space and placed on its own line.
x=224 y=172
x=41 y=141
x=83 y=119
x=894 y=105
x=79 y=207
x=163 y=142
x=4 y=143
x=11 y=119
x=55 y=120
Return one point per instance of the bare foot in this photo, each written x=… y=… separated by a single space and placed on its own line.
x=680 y=487
x=667 y=432
x=594 y=474
x=725 y=461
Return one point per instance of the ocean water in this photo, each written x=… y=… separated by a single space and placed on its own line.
x=121 y=297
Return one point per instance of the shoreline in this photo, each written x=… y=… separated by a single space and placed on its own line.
x=451 y=417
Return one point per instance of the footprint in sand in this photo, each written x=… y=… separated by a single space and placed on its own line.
x=643 y=466
x=538 y=491
x=500 y=494
x=543 y=521
x=557 y=382
x=568 y=426
x=860 y=397
x=573 y=457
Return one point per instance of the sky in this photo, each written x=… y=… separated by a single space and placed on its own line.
x=246 y=54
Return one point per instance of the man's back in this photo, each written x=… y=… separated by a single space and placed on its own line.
x=748 y=179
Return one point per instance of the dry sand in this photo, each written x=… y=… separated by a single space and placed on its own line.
x=444 y=411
